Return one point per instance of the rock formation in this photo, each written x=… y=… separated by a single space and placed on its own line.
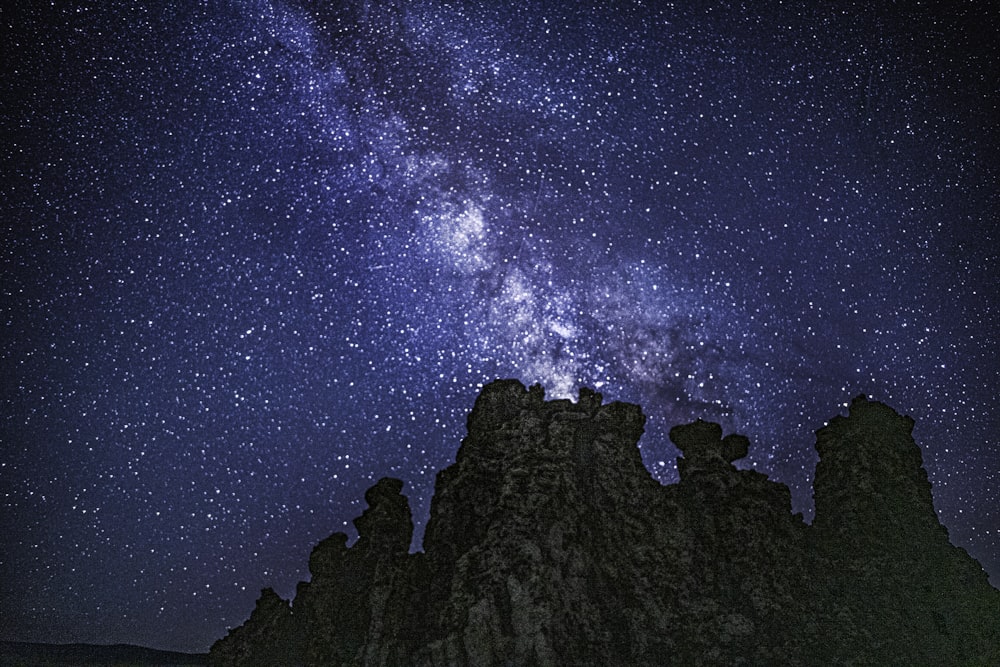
x=549 y=543
x=893 y=577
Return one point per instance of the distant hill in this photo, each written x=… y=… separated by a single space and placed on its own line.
x=550 y=544
x=26 y=654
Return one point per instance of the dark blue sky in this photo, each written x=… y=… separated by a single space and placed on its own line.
x=257 y=255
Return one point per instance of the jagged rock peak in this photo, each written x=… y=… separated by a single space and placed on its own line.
x=865 y=416
x=871 y=471
x=502 y=401
x=271 y=604
x=384 y=528
x=327 y=556
x=523 y=454
x=266 y=637
x=704 y=447
x=387 y=525
x=506 y=406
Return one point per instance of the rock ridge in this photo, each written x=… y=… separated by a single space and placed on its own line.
x=549 y=543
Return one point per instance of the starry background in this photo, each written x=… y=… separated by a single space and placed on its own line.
x=256 y=255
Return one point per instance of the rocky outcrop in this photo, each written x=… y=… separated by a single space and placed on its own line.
x=346 y=607
x=520 y=549
x=746 y=573
x=549 y=543
x=268 y=637
x=893 y=578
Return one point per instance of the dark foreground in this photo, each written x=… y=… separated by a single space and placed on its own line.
x=25 y=654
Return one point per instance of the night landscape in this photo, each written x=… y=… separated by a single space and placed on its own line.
x=262 y=264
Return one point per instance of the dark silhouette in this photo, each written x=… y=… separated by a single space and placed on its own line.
x=549 y=543
x=27 y=654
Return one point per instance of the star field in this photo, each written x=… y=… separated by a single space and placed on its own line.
x=257 y=255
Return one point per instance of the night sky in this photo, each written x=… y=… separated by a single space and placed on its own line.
x=257 y=255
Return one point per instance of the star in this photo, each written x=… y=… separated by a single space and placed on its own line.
x=256 y=258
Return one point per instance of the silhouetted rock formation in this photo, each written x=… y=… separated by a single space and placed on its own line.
x=550 y=544
x=268 y=637
x=905 y=593
x=346 y=607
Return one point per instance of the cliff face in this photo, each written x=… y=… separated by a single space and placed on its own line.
x=550 y=544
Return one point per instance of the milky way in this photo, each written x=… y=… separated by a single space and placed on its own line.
x=256 y=256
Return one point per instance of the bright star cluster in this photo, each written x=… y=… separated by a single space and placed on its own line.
x=257 y=254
